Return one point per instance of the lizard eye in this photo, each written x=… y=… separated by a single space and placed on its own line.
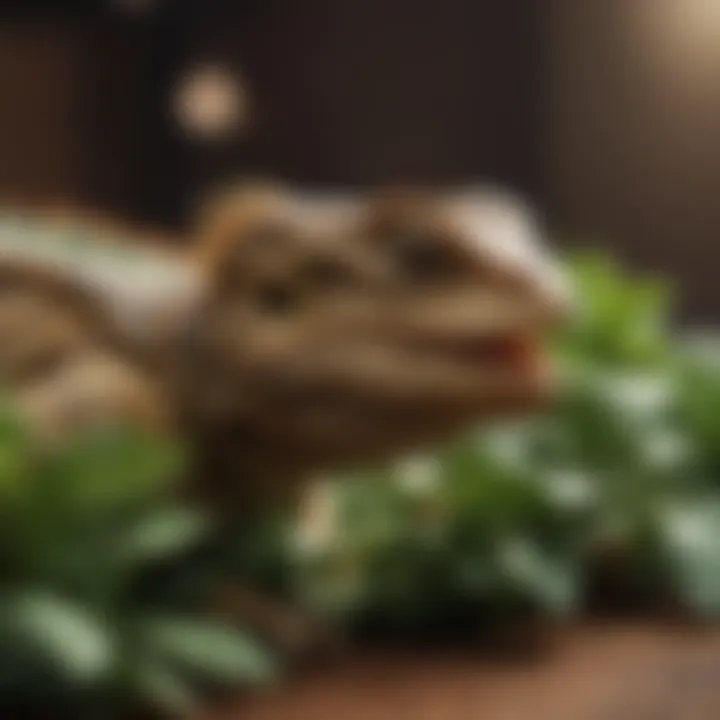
x=276 y=299
x=266 y=236
x=43 y=364
x=423 y=255
x=326 y=272
x=270 y=233
x=260 y=244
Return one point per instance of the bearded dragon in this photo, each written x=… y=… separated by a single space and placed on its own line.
x=294 y=333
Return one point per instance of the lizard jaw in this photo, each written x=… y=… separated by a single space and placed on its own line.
x=407 y=374
x=370 y=403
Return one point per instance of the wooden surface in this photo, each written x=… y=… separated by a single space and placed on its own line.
x=600 y=673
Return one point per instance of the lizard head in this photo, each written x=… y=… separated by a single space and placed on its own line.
x=345 y=329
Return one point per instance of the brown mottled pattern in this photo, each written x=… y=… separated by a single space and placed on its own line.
x=303 y=333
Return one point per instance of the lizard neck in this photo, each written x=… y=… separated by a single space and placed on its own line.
x=241 y=473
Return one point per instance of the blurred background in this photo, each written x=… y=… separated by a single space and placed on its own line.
x=605 y=113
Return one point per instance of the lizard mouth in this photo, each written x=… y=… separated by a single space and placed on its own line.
x=514 y=351
x=426 y=393
x=512 y=372
x=412 y=393
x=491 y=342
x=516 y=354
x=418 y=376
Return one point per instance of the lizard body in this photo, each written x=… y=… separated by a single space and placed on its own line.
x=295 y=334
x=298 y=332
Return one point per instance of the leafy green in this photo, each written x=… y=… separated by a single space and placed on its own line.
x=85 y=529
x=524 y=511
x=208 y=648
x=76 y=641
x=104 y=575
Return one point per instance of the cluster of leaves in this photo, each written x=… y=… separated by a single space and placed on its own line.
x=103 y=575
x=611 y=496
x=89 y=536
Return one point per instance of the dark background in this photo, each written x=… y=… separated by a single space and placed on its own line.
x=607 y=114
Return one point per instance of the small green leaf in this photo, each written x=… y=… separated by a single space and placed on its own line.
x=692 y=542
x=164 y=689
x=78 y=643
x=163 y=534
x=212 y=650
x=550 y=581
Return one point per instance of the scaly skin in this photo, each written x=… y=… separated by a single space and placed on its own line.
x=300 y=334
x=61 y=362
x=344 y=330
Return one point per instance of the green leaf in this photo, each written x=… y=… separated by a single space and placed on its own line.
x=164 y=689
x=552 y=581
x=165 y=533
x=15 y=455
x=212 y=650
x=620 y=320
x=78 y=643
x=114 y=468
x=692 y=542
